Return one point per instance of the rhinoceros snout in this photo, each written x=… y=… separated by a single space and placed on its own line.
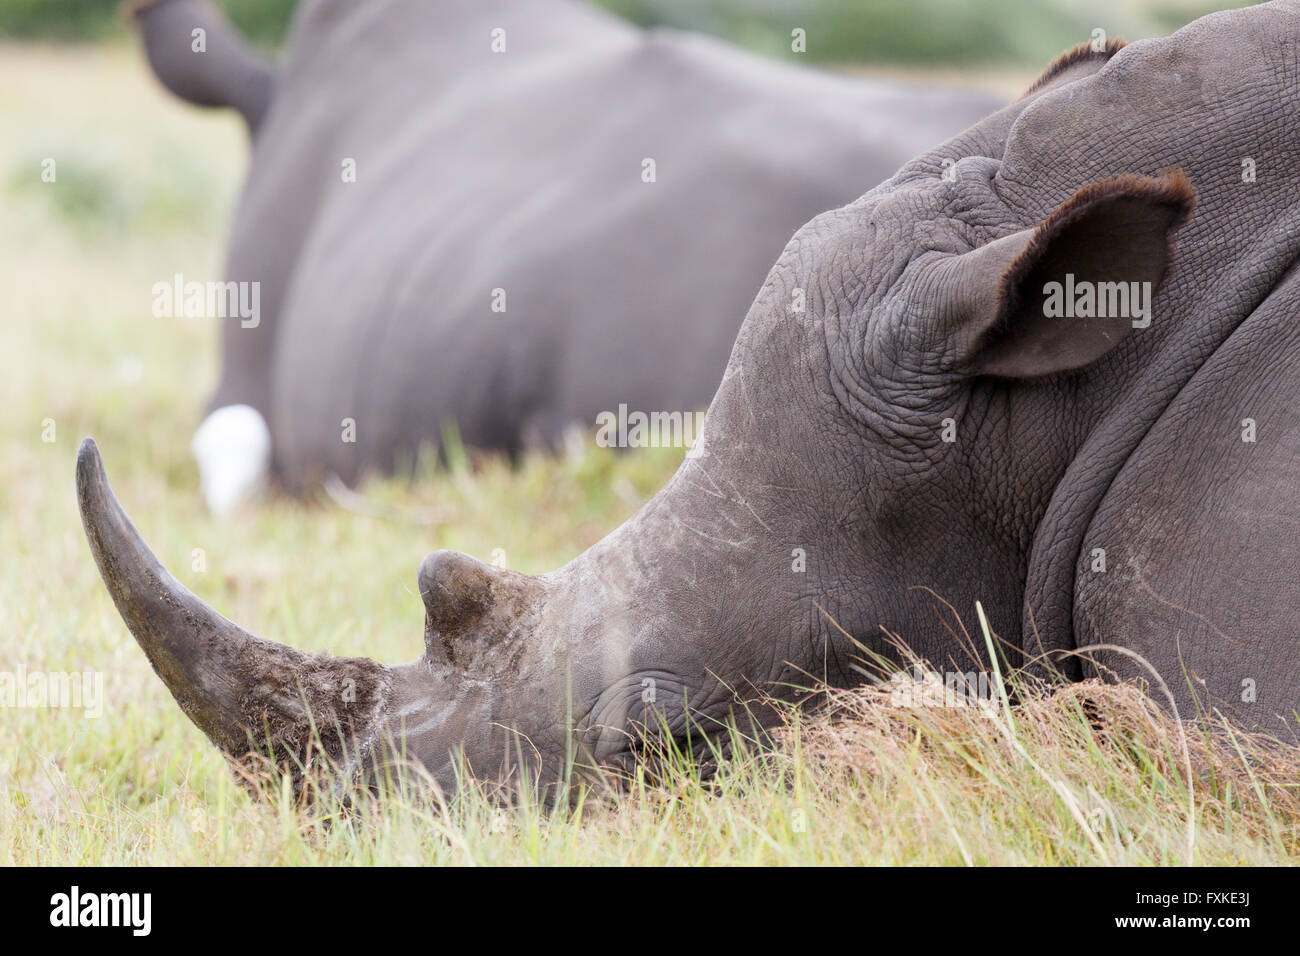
x=250 y=694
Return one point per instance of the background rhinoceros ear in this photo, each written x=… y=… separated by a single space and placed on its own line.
x=1033 y=303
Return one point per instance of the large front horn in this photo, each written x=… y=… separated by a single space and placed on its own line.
x=244 y=692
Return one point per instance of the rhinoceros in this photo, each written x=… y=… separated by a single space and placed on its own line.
x=507 y=216
x=1115 y=485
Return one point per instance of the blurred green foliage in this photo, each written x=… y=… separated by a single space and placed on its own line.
x=55 y=19
x=841 y=31
x=97 y=189
x=263 y=20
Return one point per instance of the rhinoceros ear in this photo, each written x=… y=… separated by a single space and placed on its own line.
x=1059 y=296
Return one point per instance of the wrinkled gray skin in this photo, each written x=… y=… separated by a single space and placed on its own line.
x=519 y=171
x=924 y=305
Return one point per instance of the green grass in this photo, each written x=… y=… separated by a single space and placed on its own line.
x=149 y=188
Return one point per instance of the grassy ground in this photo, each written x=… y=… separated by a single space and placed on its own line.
x=143 y=190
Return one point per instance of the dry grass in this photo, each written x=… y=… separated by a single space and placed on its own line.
x=1091 y=774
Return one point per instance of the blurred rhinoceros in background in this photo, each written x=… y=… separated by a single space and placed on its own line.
x=509 y=215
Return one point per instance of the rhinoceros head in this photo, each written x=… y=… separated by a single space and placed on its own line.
x=910 y=387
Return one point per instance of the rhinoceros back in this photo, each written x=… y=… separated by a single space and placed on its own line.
x=518 y=230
